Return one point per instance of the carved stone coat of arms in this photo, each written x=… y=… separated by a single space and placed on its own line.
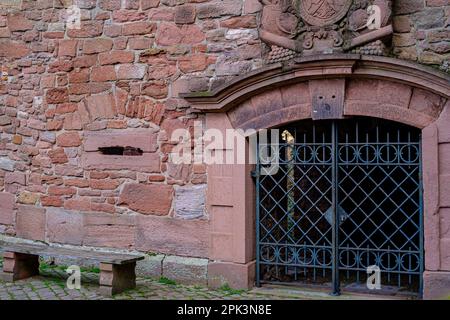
x=302 y=27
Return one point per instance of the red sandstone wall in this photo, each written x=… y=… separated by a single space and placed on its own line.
x=444 y=192
x=422 y=31
x=116 y=81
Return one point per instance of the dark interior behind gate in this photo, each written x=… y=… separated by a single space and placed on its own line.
x=347 y=196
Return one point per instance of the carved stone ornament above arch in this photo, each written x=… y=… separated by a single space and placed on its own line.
x=330 y=86
x=302 y=27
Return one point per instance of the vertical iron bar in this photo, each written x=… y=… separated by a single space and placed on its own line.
x=389 y=264
x=409 y=266
x=335 y=230
x=378 y=148
x=421 y=248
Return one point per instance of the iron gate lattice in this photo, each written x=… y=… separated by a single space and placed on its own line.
x=347 y=195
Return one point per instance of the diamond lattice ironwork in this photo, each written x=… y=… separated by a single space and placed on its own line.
x=347 y=196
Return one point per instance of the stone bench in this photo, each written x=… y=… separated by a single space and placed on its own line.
x=117 y=271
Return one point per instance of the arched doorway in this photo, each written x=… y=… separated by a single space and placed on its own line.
x=280 y=94
x=344 y=203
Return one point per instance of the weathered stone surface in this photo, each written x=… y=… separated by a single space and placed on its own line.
x=147 y=4
x=58 y=156
x=7 y=201
x=106 y=230
x=185 y=14
x=214 y=9
x=114 y=57
x=30 y=222
x=144 y=139
x=18 y=22
x=28 y=198
x=186 y=270
x=79 y=76
x=169 y=34
x=426 y=102
x=68 y=48
x=444 y=243
x=104 y=73
x=190 y=201
x=7 y=164
x=13 y=49
x=101 y=106
x=147 y=162
x=444 y=190
x=236 y=275
x=436 y=285
x=197 y=62
x=151 y=266
x=57 y=95
x=239 y=22
x=68 y=139
x=157 y=90
x=444 y=159
x=443 y=128
x=131 y=71
x=137 y=28
x=97 y=46
x=65 y=227
x=4 y=120
x=128 y=16
x=173 y=236
x=147 y=198
x=15 y=177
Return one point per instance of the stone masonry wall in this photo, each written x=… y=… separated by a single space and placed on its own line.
x=422 y=32
x=116 y=82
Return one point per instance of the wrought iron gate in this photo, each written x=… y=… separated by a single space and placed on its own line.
x=347 y=195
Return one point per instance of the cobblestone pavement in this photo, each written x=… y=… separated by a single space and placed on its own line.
x=51 y=285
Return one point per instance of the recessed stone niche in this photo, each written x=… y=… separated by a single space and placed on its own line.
x=130 y=149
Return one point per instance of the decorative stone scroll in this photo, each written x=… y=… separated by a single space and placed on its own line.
x=303 y=27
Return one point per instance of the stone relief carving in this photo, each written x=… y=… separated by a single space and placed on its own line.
x=302 y=27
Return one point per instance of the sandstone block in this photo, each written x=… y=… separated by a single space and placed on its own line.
x=151 y=266
x=65 y=227
x=6 y=208
x=106 y=230
x=172 y=236
x=190 y=201
x=30 y=222
x=186 y=270
x=147 y=198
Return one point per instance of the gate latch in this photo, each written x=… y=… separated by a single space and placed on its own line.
x=254 y=174
x=342 y=215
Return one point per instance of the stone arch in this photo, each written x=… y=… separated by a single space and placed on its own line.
x=373 y=86
x=362 y=97
x=378 y=87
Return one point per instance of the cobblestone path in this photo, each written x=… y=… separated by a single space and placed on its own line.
x=51 y=285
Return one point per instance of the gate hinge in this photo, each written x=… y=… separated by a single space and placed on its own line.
x=254 y=174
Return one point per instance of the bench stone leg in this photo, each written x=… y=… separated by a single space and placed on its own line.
x=115 y=278
x=18 y=266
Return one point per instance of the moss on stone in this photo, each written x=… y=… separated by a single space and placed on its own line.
x=164 y=280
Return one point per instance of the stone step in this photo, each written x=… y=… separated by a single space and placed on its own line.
x=286 y=291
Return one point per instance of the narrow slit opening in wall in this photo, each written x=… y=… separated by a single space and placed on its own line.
x=121 y=151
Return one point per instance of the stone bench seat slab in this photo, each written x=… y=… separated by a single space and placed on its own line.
x=57 y=252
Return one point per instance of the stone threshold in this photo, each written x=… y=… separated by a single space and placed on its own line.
x=288 y=291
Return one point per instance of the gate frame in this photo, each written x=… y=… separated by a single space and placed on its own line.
x=335 y=202
x=231 y=190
